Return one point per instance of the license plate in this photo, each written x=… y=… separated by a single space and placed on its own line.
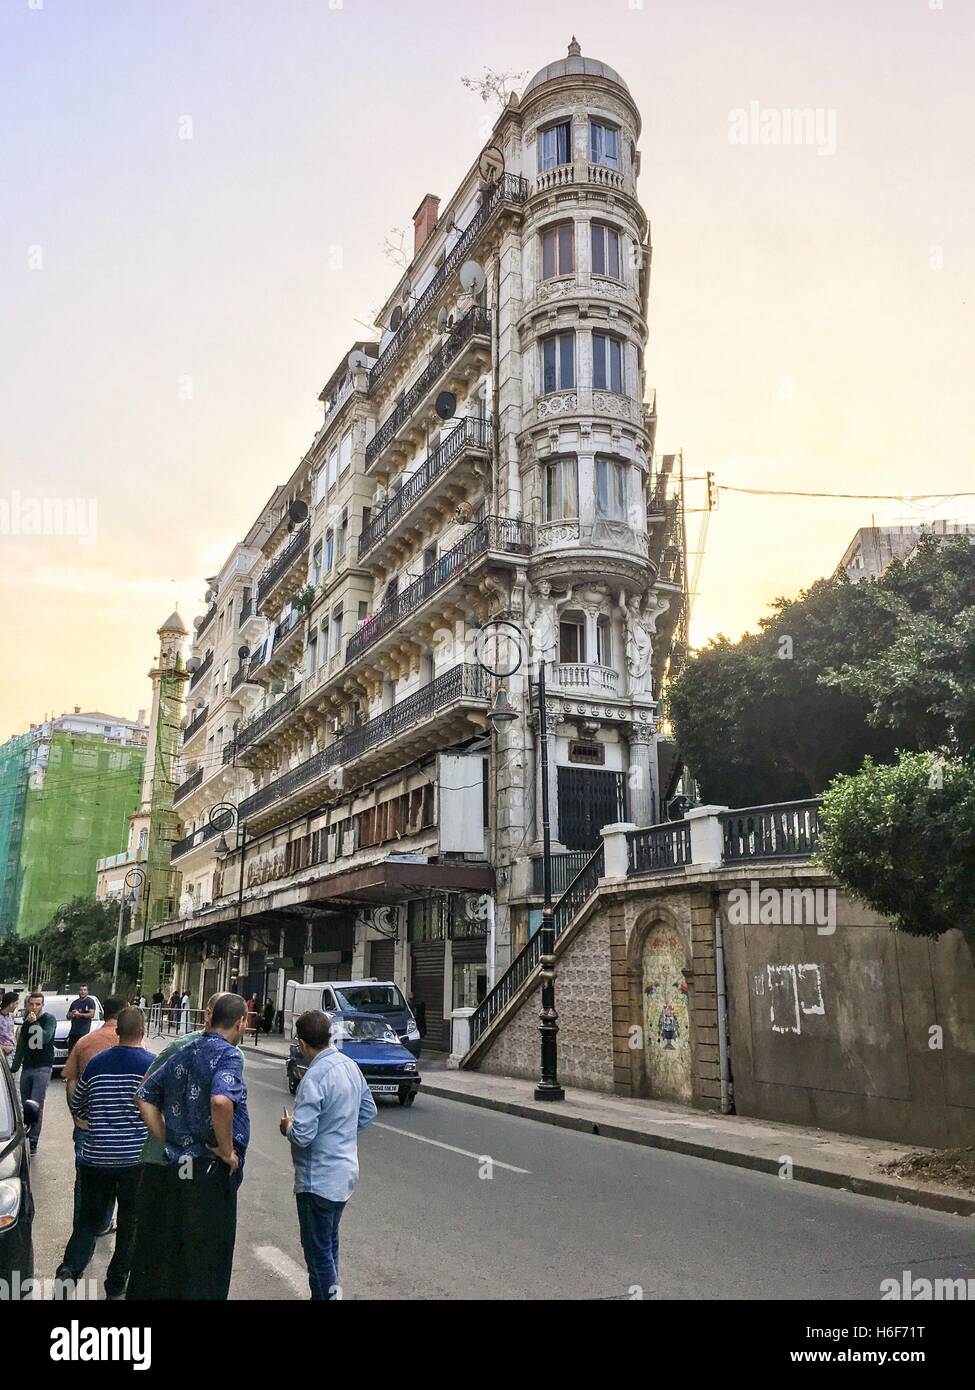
x=384 y=1090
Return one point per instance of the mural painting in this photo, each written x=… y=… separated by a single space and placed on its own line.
x=665 y=1015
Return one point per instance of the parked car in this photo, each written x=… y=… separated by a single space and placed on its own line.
x=16 y=1198
x=58 y=1005
x=381 y=997
x=389 y=1069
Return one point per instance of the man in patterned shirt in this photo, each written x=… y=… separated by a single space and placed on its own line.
x=196 y=1106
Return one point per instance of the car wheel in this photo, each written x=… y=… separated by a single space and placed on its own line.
x=292 y=1082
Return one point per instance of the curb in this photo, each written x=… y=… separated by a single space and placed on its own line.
x=928 y=1198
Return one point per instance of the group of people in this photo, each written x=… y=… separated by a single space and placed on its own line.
x=162 y=1141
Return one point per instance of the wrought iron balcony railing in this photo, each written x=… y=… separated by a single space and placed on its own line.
x=191 y=784
x=195 y=724
x=281 y=563
x=659 y=847
x=493 y=533
x=196 y=837
x=460 y=682
x=259 y=725
x=206 y=620
x=201 y=670
x=476 y=321
x=286 y=627
x=472 y=433
x=510 y=188
x=246 y=609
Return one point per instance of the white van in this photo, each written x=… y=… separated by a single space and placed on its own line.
x=381 y=997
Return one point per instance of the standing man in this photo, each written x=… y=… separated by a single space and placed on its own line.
x=114 y=1133
x=184 y=1012
x=196 y=1105
x=332 y=1104
x=158 y=999
x=35 y=1053
x=81 y=1054
x=81 y=1011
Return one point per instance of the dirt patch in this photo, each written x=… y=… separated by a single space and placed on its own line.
x=950 y=1167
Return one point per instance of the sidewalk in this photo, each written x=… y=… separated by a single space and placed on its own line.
x=816 y=1155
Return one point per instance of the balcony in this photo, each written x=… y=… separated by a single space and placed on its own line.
x=476 y=323
x=201 y=670
x=494 y=533
x=510 y=188
x=595 y=680
x=195 y=724
x=459 y=684
x=190 y=785
x=194 y=840
x=206 y=620
x=254 y=728
x=283 y=562
x=470 y=434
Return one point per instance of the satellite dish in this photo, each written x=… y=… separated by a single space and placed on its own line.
x=193 y=664
x=490 y=166
x=197 y=622
x=472 y=277
x=442 y=321
x=407 y=290
x=464 y=513
x=396 y=318
x=298 y=512
x=208 y=596
x=358 y=361
x=243 y=653
x=446 y=405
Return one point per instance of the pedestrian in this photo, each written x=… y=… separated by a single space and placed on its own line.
x=158 y=999
x=332 y=1104
x=8 y=1034
x=173 y=1009
x=34 y=1053
x=252 y=1013
x=114 y=1131
x=81 y=1011
x=184 y=1021
x=268 y=1015
x=104 y=1037
x=196 y=1105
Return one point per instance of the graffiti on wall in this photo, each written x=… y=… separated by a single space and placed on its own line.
x=665 y=1016
x=794 y=992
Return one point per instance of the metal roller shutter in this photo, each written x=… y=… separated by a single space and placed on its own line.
x=381 y=959
x=428 y=967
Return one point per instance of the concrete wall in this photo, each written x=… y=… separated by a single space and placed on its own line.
x=838 y=1022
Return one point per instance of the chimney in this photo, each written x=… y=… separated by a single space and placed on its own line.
x=77 y=709
x=141 y=717
x=424 y=220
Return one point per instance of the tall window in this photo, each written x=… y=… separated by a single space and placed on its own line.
x=333 y=467
x=610 y=490
x=561 y=490
x=316 y=563
x=558 y=362
x=572 y=640
x=345 y=452
x=606 y=251
x=321 y=485
x=343 y=535
x=604 y=641
x=329 y=550
x=607 y=363
x=554 y=146
x=558 y=251
x=311 y=655
x=336 y=641
x=604 y=144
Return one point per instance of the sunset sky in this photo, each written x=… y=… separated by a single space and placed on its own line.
x=810 y=311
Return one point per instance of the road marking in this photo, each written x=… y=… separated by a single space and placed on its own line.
x=284 y=1266
x=422 y=1139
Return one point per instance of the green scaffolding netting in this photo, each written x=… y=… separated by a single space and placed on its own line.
x=14 y=764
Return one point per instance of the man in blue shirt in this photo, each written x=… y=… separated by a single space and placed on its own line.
x=196 y=1106
x=81 y=1011
x=333 y=1103
x=111 y=1152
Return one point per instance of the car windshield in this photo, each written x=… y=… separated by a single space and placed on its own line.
x=371 y=998
x=363 y=1030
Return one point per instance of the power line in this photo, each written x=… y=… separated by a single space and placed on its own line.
x=851 y=496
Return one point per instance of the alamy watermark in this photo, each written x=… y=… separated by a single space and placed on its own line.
x=754 y=124
x=49 y=516
x=756 y=906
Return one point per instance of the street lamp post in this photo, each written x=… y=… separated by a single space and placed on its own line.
x=133 y=880
x=507 y=636
x=222 y=816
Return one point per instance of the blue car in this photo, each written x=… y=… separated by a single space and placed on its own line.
x=389 y=1069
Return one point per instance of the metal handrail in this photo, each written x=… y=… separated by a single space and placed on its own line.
x=657 y=848
x=472 y=432
x=510 y=188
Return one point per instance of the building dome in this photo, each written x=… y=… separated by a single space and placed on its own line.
x=174 y=623
x=574 y=65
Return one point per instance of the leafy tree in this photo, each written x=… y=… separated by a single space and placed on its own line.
x=902 y=839
x=754 y=719
x=78 y=944
x=921 y=682
x=14 y=953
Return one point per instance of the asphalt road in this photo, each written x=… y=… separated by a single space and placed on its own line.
x=456 y=1202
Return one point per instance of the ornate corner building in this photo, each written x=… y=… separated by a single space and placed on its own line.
x=490 y=456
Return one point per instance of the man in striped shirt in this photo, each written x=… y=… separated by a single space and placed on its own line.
x=111 y=1152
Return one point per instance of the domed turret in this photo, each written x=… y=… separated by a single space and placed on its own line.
x=574 y=65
